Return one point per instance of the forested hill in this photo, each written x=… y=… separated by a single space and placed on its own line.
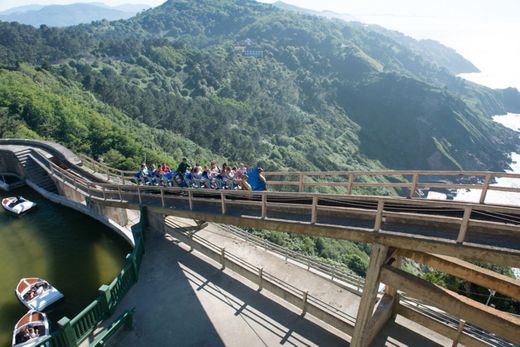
x=317 y=93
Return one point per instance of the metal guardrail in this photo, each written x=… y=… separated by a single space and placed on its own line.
x=307 y=302
x=347 y=181
x=335 y=274
x=338 y=275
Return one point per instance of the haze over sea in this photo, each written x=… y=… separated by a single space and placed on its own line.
x=484 y=31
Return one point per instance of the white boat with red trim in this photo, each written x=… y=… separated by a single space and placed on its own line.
x=30 y=329
x=17 y=204
x=36 y=293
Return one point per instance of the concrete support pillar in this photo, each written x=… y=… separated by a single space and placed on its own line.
x=155 y=222
x=368 y=299
x=118 y=215
x=68 y=192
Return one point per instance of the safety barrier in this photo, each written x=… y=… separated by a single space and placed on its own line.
x=73 y=331
x=309 y=206
x=355 y=284
x=295 y=296
x=333 y=273
x=409 y=183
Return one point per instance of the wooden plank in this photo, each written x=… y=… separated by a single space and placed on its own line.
x=498 y=322
x=467 y=271
x=438 y=326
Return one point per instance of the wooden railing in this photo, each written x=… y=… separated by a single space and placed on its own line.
x=407 y=183
x=317 y=204
x=109 y=173
x=409 y=180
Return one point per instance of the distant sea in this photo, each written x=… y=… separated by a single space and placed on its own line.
x=512 y=121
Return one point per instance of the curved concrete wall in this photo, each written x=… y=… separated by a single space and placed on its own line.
x=114 y=218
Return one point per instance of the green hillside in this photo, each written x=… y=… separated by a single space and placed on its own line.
x=35 y=104
x=316 y=94
x=326 y=94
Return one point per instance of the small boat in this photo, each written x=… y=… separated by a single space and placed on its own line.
x=17 y=204
x=36 y=293
x=30 y=329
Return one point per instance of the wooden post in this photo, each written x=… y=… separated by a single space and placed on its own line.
x=104 y=194
x=190 y=199
x=264 y=205
x=223 y=200
x=139 y=194
x=135 y=268
x=105 y=296
x=379 y=215
x=120 y=194
x=413 y=187
x=162 y=196
x=460 y=328
x=485 y=187
x=368 y=299
x=464 y=224
x=314 y=215
x=301 y=187
x=350 y=183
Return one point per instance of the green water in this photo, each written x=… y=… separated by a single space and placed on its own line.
x=73 y=252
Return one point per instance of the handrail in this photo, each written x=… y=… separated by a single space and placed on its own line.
x=357 y=283
x=304 y=300
x=376 y=207
x=349 y=180
x=417 y=179
x=125 y=319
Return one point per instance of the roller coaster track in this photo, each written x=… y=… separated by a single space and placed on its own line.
x=358 y=208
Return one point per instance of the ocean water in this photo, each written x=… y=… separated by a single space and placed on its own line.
x=512 y=121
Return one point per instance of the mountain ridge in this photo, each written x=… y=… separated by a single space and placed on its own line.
x=67 y=15
x=324 y=95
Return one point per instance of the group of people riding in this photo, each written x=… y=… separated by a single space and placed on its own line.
x=212 y=176
x=29 y=334
x=35 y=290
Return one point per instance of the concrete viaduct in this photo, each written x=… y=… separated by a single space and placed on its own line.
x=444 y=235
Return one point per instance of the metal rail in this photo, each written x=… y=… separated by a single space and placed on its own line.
x=408 y=182
x=466 y=218
x=340 y=276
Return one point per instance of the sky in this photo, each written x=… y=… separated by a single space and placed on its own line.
x=486 y=32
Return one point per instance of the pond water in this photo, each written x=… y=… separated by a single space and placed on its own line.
x=73 y=252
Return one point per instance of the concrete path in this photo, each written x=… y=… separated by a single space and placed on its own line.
x=184 y=299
